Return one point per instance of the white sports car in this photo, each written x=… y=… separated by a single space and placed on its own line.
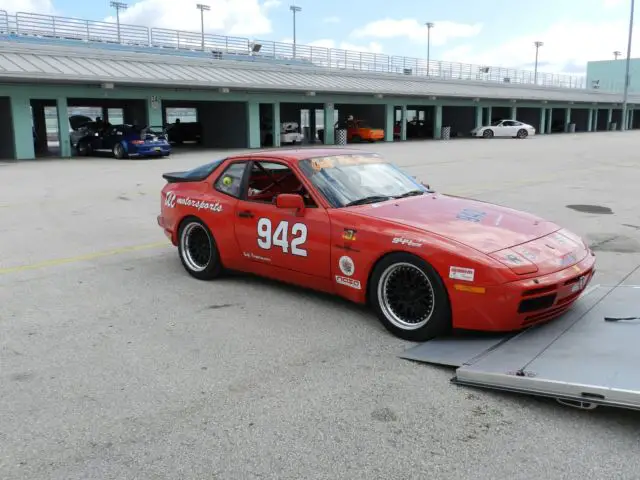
x=504 y=128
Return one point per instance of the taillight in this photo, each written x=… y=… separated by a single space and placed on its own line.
x=137 y=142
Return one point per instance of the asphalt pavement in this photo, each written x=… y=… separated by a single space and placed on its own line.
x=115 y=364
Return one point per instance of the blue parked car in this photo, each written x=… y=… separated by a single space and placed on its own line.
x=125 y=141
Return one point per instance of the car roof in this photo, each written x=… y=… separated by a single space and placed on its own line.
x=297 y=154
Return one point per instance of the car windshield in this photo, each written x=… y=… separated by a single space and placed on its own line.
x=357 y=179
x=495 y=123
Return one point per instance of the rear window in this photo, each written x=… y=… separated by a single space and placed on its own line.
x=203 y=171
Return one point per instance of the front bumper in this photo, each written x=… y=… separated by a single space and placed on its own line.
x=523 y=303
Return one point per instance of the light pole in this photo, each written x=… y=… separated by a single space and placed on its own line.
x=616 y=54
x=429 y=25
x=202 y=7
x=626 y=73
x=119 y=6
x=294 y=9
x=535 y=70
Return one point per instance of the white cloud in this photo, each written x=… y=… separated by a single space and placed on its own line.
x=228 y=17
x=567 y=48
x=372 y=47
x=410 y=28
x=331 y=20
x=28 y=6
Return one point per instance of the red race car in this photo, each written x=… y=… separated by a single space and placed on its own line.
x=352 y=224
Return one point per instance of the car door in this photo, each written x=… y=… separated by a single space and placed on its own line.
x=508 y=128
x=282 y=238
x=111 y=136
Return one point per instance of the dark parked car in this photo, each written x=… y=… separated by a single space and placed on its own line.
x=181 y=132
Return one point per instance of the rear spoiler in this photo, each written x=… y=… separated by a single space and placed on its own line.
x=179 y=177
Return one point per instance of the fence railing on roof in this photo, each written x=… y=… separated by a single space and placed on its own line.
x=78 y=29
x=4 y=22
x=48 y=26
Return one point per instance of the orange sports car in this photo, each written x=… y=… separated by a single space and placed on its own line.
x=358 y=131
x=352 y=224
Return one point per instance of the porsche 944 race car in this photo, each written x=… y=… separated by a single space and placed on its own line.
x=352 y=224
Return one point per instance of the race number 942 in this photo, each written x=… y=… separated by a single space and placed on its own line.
x=269 y=238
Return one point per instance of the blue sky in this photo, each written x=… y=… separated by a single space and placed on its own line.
x=488 y=32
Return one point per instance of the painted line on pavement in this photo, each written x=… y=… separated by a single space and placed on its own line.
x=83 y=258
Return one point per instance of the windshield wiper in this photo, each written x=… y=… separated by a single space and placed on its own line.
x=371 y=199
x=411 y=193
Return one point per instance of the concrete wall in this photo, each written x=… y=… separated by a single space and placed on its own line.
x=611 y=73
x=245 y=130
x=7 y=150
x=224 y=124
x=461 y=120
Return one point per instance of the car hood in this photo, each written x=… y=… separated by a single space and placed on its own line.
x=78 y=121
x=482 y=226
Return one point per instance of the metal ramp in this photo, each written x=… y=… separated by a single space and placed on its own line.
x=588 y=357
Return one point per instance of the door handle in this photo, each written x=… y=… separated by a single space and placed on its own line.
x=245 y=214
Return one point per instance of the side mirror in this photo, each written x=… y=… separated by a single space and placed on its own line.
x=290 y=200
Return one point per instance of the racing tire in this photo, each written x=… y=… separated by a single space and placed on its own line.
x=198 y=250
x=487 y=134
x=409 y=298
x=522 y=133
x=356 y=139
x=118 y=151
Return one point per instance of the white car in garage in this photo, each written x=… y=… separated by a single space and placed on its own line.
x=504 y=128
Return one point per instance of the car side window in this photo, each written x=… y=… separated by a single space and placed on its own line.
x=267 y=180
x=508 y=124
x=230 y=182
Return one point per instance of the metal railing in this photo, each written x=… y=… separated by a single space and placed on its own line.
x=48 y=26
x=65 y=28
x=4 y=22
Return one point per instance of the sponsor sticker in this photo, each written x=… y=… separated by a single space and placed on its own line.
x=406 y=241
x=347 y=267
x=348 y=282
x=568 y=259
x=471 y=215
x=460 y=273
x=253 y=256
x=199 y=204
x=511 y=258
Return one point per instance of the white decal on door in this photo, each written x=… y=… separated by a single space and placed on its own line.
x=267 y=238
